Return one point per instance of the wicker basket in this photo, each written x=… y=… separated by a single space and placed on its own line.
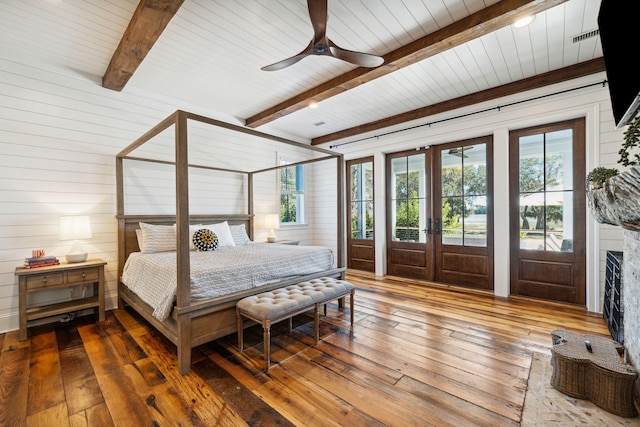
x=599 y=375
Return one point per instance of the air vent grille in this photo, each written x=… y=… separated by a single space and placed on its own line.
x=319 y=123
x=587 y=35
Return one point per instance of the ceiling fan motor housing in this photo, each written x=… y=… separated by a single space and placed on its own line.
x=320 y=49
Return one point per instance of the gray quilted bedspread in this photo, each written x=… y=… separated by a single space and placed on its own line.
x=153 y=276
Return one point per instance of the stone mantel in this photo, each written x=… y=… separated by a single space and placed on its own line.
x=618 y=201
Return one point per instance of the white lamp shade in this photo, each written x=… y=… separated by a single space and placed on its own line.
x=272 y=222
x=75 y=228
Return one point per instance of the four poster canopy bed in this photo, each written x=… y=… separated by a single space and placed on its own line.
x=189 y=193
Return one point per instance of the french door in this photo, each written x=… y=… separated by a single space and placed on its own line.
x=360 y=236
x=409 y=214
x=440 y=215
x=547 y=211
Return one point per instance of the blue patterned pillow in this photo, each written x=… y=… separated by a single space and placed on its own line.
x=205 y=240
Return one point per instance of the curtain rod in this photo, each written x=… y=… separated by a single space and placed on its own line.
x=499 y=107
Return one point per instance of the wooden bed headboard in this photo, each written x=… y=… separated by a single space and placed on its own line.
x=128 y=224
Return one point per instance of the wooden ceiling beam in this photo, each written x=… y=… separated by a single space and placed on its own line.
x=552 y=77
x=148 y=22
x=484 y=21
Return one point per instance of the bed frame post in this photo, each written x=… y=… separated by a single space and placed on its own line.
x=250 y=203
x=121 y=223
x=341 y=212
x=182 y=242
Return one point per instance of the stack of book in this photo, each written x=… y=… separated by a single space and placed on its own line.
x=42 y=261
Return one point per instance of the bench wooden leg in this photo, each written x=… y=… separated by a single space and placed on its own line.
x=351 y=298
x=266 y=326
x=316 y=322
x=240 y=334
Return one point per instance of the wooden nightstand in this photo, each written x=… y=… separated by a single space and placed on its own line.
x=59 y=276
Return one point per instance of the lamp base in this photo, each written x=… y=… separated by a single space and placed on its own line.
x=77 y=257
x=272 y=239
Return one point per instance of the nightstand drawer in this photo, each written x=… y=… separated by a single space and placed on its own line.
x=44 y=280
x=83 y=276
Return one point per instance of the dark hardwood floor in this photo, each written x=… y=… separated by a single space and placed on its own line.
x=419 y=355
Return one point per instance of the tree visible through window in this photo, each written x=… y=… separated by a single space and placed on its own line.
x=292 y=194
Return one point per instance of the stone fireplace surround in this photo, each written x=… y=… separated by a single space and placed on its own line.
x=631 y=302
x=618 y=203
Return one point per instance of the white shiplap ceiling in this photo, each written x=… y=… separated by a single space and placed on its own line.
x=211 y=52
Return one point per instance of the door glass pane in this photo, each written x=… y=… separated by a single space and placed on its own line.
x=559 y=160
x=452 y=172
x=546 y=191
x=400 y=228
x=475 y=222
x=531 y=163
x=464 y=195
x=452 y=214
x=361 y=193
x=357 y=226
x=356 y=179
x=409 y=192
x=368 y=230
x=367 y=180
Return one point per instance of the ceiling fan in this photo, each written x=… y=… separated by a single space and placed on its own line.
x=321 y=45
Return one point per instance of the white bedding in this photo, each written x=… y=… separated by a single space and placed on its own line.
x=152 y=276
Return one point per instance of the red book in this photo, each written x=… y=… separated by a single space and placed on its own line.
x=42 y=264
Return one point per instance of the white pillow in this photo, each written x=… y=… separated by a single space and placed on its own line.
x=192 y=229
x=140 y=241
x=223 y=232
x=157 y=238
x=239 y=234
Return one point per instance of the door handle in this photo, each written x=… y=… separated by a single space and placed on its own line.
x=438 y=222
x=428 y=229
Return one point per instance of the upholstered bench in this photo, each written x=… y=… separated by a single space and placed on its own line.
x=274 y=306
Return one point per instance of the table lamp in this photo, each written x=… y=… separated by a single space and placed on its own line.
x=272 y=222
x=75 y=228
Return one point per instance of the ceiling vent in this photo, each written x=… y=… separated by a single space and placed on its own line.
x=320 y=123
x=587 y=35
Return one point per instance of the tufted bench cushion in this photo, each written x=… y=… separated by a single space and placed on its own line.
x=284 y=303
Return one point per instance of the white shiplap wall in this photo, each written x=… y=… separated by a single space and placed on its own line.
x=60 y=131
x=603 y=143
x=59 y=134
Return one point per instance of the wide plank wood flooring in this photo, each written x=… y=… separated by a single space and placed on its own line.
x=420 y=354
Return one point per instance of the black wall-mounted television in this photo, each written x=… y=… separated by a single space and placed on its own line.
x=618 y=22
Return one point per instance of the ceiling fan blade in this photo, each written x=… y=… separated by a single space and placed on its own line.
x=318 y=14
x=357 y=58
x=289 y=61
x=284 y=63
x=321 y=45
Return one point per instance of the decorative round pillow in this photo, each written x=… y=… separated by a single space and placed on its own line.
x=205 y=240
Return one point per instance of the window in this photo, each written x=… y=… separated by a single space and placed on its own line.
x=546 y=191
x=409 y=198
x=361 y=200
x=292 y=194
x=464 y=195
